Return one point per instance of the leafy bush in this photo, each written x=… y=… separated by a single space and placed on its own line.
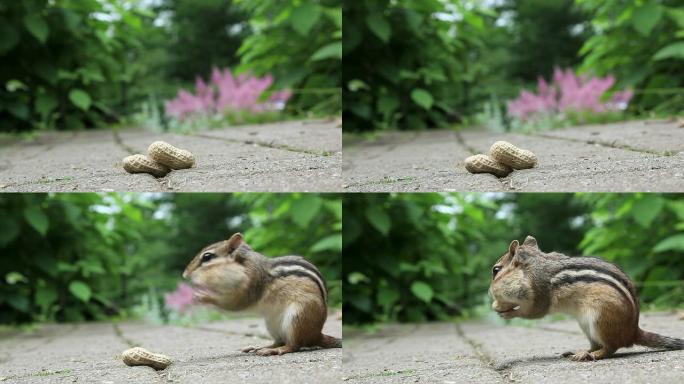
x=416 y=257
x=62 y=68
x=640 y=43
x=299 y=43
x=93 y=256
x=407 y=68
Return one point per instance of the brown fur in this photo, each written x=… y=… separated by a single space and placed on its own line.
x=530 y=284
x=238 y=278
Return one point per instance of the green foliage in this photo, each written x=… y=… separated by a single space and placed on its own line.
x=81 y=257
x=641 y=44
x=405 y=68
x=299 y=43
x=63 y=68
x=417 y=257
x=542 y=35
x=202 y=34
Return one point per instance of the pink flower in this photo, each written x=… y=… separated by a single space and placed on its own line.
x=568 y=92
x=226 y=93
x=179 y=299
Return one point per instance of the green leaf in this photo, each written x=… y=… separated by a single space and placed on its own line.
x=8 y=230
x=37 y=219
x=37 y=26
x=379 y=219
x=45 y=104
x=422 y=98
x=357 y=277
x=8 y=38
x=646 y=17
x=80 y=289
x=674 y=50
x=80 y=98
x=304 y=17
x=379 y=26
x=387 y=104
x=646 y=209
x=387 y=296
x=332 y=50
x=15 y=277
x=305 y=209
x=14 y=85
x=355 y=85
x=329 y=243
x=672 y=243
x=422 y=291
x=45 y=296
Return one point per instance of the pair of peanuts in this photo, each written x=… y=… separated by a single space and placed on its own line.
x=162 y=158
x=503 y=158
x=141 y=356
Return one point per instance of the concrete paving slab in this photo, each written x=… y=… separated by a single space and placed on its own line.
x=293 y=156
x=623 y=157
x=485 y=352
x=90 y=353
x=315 y=136
x=658 y=136
x=412 y=162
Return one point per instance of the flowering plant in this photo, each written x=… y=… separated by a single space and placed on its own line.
x=568 y=93
x=180 y=299
x=224 y=94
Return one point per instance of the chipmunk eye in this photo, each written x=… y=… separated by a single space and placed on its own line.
x=495 y=270
x=207 y=256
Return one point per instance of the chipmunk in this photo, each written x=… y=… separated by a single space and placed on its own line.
x=288 y=291
x=529 y=283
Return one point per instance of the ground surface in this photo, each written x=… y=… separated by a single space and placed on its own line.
x=290 y=156
x=479 y=352
x=621 y=157
x=90 y=353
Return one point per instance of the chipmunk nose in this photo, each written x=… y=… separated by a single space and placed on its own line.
x=186 y=274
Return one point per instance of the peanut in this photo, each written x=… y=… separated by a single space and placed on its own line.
x=141 y=163
x=170 y=156
x=141 y=356
x=512 y=156
x=483 y=163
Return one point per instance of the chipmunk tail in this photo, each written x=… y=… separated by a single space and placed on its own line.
x=654 y=340
x=330 y=342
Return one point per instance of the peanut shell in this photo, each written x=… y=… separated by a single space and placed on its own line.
x=174 y=158
x=143 y=164
x=486 y=164
x=141 y=356
x=512 y=156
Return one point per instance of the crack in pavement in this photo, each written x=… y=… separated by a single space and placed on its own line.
x=602 y=144
x=264 y=144
x=504 y=370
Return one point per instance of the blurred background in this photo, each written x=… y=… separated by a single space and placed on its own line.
x=428 y=256
x=510 y=65
x=167 y=64
x=75 y=257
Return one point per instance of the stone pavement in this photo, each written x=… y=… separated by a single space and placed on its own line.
x=490 y=352
x=90 y=353
x=620 y=157
x=288 y=156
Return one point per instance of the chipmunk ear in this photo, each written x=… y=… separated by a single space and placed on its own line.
x=234 y=242
x=511 y=248
x=530 y=242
